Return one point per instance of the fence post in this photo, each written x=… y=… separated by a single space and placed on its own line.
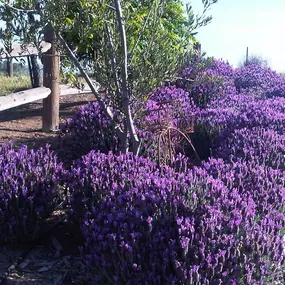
x=51 y=80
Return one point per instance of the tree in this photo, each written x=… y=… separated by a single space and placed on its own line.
x=7 y=36
x=130 y=46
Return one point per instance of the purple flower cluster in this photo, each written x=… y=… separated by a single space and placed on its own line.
x=220 y=223
x=177 y=111
x=88 y=129
x=180 y=104
x=242 y=111
x=259 y=80
x=263 y=146
x=30 y=192
x=211 y=83
x=277 y=89
x=149 y=225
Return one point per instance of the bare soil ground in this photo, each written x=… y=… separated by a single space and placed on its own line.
x=55 y=259
x=23 y=124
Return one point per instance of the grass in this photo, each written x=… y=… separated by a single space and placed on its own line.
x=22 y=82
x=13 y=84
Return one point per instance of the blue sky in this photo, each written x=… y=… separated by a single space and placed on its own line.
x=236 y=24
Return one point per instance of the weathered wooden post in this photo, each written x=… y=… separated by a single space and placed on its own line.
x=51 y=78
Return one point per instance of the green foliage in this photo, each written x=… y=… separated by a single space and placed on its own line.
x=159 y=34
x=6 y=33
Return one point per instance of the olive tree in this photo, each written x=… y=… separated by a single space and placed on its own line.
x=130 y=47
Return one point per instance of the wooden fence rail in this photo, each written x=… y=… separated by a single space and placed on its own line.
x=23 y=97
x=27 y=96
x=52 y=90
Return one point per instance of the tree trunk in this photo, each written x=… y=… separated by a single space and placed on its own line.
x=10 y=69
x=37 y=79
x=51 y=80
x=135 y=142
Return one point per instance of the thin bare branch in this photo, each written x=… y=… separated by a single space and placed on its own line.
x=112 y=57
x=19 y=9
x=94 y=89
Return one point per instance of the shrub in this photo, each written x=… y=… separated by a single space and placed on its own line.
x=223 y=117
x=255 y=79
x=88 y=129
x=208 y=84
x=264 y=147
x=30 y=192
x=97 y=172
x=277 y=90
x=181 y=104
x=178 y=113
x=150 y=225
x=266 y=186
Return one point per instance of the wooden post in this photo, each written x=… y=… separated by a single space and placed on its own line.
x=246 y=56
x=51 y=80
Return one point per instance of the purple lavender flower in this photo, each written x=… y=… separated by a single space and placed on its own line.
x=30 y=191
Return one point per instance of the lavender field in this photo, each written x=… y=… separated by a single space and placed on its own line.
x=218 y=220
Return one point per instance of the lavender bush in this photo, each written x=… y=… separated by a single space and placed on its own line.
x=259 y=80
x=149 y=225
x=92 y=176
x=225 y=116
x=211 y=83
x=266 y=186
x=220 y=223
x=276 y=90
x=263 y=146
x=177 y=113
x=88 y=129
x=180 y=104
x=30 y=192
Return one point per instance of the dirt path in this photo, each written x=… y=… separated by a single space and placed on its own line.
x=23 y=124
x=54 y=260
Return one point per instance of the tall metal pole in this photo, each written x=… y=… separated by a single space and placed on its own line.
x=246 y=56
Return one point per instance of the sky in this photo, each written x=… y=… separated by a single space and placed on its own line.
x=238 y=24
